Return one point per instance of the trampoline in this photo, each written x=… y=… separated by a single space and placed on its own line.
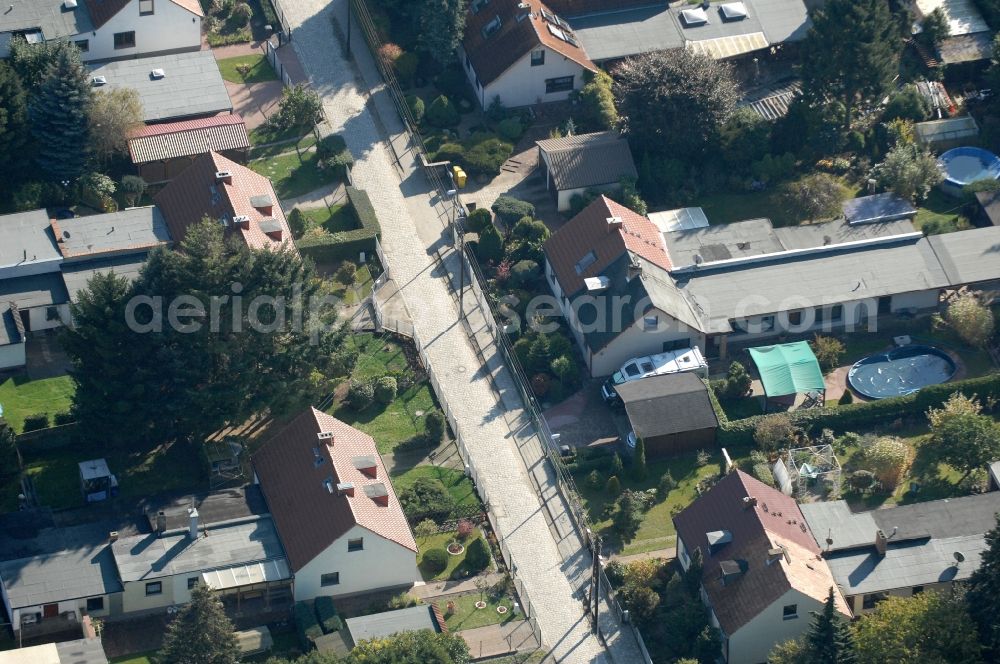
x=965 y=165
x=901 y=371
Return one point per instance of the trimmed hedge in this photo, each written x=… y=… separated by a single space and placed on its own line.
x=306 y=625
x=859 y=415
x=326 y=613
x=35 y=422
x=346 y=245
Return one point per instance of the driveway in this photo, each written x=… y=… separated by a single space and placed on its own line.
x=584 y=420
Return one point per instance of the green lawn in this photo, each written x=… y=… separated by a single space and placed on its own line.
x=456 y=564
x=467 y=616
x=377 y=355
x=657 y=529
x=458 y=485
x=726 y=207
x=337 y=219
x=292 y=175
x=264 y=135
x=140 y=472
x=21 y=397
x=357 y=291
x=260 y=69
x=938 y=208
x=142 y=658
x=393 y=424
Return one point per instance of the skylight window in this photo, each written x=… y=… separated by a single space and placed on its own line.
x=586 y=262
x=491 y=28
x=693 y=17
x=733 y=11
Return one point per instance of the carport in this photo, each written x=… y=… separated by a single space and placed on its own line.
x=787 y=370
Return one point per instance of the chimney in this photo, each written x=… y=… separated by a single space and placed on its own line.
x=345 y=489
x=881 y=542
x=325 y=437
x=633 y=271
x=193 y=524
x=774 y=555
x=242 y=220
x=614 y=224
x=161 y=522
x=113 y=536
x=223 y=177
x=749 y=501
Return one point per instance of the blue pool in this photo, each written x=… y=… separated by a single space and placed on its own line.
x=965 y=165
x=900 y=371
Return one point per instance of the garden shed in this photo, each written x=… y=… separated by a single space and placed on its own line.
x=574 y=164
x=789 y=369
x=947 y=133
x=96 y=481
x=672 y=413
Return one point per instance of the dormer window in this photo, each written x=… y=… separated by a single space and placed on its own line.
x=491 y=28
x=477 y=5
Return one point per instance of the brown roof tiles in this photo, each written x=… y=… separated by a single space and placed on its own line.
x=293 y=468
x=767 y=520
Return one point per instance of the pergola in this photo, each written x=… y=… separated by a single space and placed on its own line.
x=788 y=369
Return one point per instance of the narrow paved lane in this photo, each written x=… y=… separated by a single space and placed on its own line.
x=412 y=230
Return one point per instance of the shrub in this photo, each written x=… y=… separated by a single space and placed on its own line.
x=489 y=249
x=346 y=272
x=496 y=111
x=762 y=472
x=487 y=156
x=477 y=555
x=464 y=529
x=385 y=389
x=434 y=425
x=614 y=486
x=297 y=222
x=449 y=151
x=510 y=210
x=306 y=625
x=595 y=480
x=510 y=129
x=342 y=362
x=815 y=196
x=326 y=613
x=531 y=230
x=737 y=382
x=524 y=274
x=828 y=351
x=861 y=480
x=442 y=113
x=909 y=171
x=299 y=107
x=628 y=514
x=133 y=187
x=402 y=601
x=479 y=219
x=617 y=467
x=773 y=432
x=416 y=106
x=887 y=458
x=565 y=370
x=540 y=384
x=846 y=398
x=425 y=528
x=361 y=394
x=641 y=601
x=435 y=561
x=63 y=417
x=595 y=109
x=35 y=422
x=426 y=496
x=97 y=190
x=406 y=66
x=666 y=484
x=907 y=104
x=241 y=14
x=971 y=319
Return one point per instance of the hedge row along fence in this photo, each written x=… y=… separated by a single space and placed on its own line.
x=346 y=245
x=855 y=416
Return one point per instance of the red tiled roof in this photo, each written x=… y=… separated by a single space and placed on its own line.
x=309 y=518
x=492 y=56
x=102 y=11
x=195 y=194
x=774 y=521
x=589 y=231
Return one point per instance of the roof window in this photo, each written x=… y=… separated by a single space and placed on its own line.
x=492 y=27
x=586 y=262
x=693 y=17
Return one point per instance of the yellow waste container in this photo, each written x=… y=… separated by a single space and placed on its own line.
x=459 y=176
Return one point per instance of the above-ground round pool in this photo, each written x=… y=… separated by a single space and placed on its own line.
x=900 y=371
x=963 y=166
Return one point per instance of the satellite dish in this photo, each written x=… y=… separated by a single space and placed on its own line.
x=959 y=557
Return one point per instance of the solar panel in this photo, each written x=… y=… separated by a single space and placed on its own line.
x=557 y=32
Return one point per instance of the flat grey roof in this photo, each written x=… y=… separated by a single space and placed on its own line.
x=135 y=229
x=82 y=651
x=86 y=571
x=877 y=207
x=50 y=16
x=147 y=557
x=25 y=238
x=969 y=256
x=192 y=85
x=39 y=290
x=214 y=507
x=613 y=35
x=76 y=275
x=387 y=623
x=834 y=520
x=720 y=294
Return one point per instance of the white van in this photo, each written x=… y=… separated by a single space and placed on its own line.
x=675 y=361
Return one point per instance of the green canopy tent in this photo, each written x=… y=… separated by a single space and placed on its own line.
x=788 y=369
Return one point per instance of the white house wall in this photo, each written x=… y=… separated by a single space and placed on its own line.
x=635 y=341
x=169 y=28
x=524 y=85
x=381 y=564
x=38 y=317
x=752 y=642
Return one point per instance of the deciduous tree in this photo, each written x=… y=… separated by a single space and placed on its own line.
x=674 y=102
x=422 y=646
x=971 y=319
x=113 y=116
x=909 y=171
x=967 y=442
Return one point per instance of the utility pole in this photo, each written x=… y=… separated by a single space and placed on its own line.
x=459 y=232
x=596 y=585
